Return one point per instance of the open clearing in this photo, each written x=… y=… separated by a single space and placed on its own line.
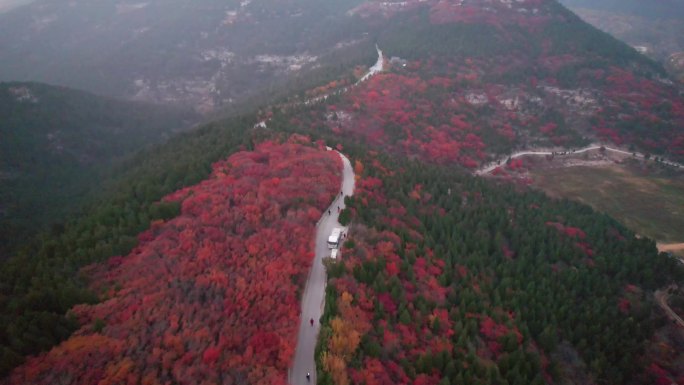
x=674 y=248
x=646 y=202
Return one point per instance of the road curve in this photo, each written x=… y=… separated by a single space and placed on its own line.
x=661 y=297
x=314 y=292
x=376 y=68
x=490 y=167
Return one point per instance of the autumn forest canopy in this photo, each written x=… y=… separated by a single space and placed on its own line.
x=186 y=260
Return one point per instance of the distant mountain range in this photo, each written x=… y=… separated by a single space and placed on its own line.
x=655 y=28
x=208 y=54
x=217 y=55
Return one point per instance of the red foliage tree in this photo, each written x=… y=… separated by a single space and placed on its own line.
x=209 y=296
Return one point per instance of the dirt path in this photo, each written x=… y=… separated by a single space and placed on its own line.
x=661 y=298
x=670 y=247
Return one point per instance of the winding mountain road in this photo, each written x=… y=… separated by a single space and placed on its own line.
x=314 y=292
x=376 y=68
x=490 y=167
x=661 y=298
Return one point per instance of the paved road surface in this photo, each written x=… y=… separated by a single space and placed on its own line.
x=376 y=68
x=490 y=167
x=314 y=293
x=661 y=297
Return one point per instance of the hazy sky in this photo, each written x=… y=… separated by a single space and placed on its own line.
x=6 y=5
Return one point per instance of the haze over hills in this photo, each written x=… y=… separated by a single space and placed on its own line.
x=651 y=9
x=208 y=54
x=653 y=27
x=188 y=266
x=7 y=5
x=55 y=141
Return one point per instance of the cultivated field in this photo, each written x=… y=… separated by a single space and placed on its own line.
x=644 y=199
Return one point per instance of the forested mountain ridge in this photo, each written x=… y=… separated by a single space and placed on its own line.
x=41 y=282
x=446 y=278
x=449 y=279
x=249 y=51
x=439 y=258
x=482 y=79
x=54 y=142
x=234 y=259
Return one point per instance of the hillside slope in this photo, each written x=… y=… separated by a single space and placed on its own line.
x=446 y=278
x=450 y=279
x=654 y=28
x=471 y=79
x=54 y=141
x=212 y=294
x=656 y=9
x=41 y=282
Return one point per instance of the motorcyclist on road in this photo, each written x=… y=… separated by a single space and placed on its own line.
x=308 y=376
x=311 y=321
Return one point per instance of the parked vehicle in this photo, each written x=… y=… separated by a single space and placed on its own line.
x=334 y=238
